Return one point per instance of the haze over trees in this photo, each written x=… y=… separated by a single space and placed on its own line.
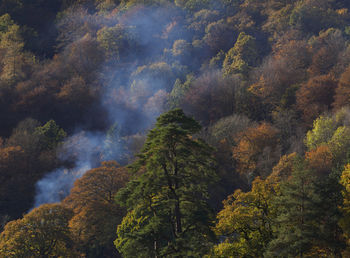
x=174 y=128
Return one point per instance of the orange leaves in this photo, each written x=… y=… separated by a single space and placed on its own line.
x=251 y=144
x=7 y=154
x=96 y=215
x=322 y=61
x=316 y=96
x=284 y=167
x=320 y=160
x=342 y=93
x=281 y=71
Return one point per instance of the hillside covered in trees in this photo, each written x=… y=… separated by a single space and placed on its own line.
x=185 y=128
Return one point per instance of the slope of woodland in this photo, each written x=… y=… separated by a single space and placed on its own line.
x=190 y=128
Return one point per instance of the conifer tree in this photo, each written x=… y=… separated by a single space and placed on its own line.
x=330 y=239
x=168 y=213
x=296 y=227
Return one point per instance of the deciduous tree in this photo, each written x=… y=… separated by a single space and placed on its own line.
x=251 y=145
x=96 y=215
x=315 y=97
x=246 y=220
x=242 y=56
x=43 y=232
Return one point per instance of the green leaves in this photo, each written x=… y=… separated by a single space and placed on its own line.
x=334 y=132
x=242 y=56
x=296 y=225
x=50 y=134
x=167 y=199
x=321 y=133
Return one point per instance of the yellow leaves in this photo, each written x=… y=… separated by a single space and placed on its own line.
x=322 y=132
x=342 y=11
x=245 y=219
x=333 y=132
x=225 y=250
x=345 y=208
x=12 y=59
x=132 y=222
x=242 y=56
x=320 y=252
x=30 y=237
x=345 y=182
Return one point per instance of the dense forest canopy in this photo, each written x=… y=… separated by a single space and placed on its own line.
x=186 y=128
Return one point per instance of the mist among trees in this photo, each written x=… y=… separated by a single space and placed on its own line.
x=186 y=128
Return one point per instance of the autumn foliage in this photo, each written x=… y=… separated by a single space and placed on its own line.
x=251 y=144
x=265 y=82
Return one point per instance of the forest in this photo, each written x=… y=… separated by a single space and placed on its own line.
x=174 y=128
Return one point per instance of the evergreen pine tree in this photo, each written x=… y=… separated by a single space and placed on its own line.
x=296 y=227
x=168 y=212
